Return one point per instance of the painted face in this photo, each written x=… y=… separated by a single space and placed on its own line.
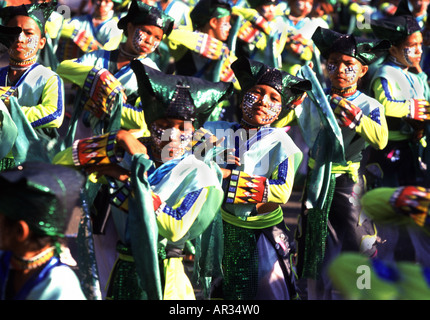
x=261 y=105
x=344 y=71
x=302 y=7
x=145 y=39
x=412 y=49
x=222 y=28
x=29 y=41
x=103 y=8
x=268 y=11
x=169 y=138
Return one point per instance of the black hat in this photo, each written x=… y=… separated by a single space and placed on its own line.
x=8 y=35
x=397 y=27
x=181 y=97
x=42 y=194
x=141 y=13
x=39 y=12
x=250 y=73
x=364 y=50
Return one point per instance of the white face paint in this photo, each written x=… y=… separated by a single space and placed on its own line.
x=350 y=72
x=178 y=140
x=272 y=109
x=304 y=6
x=225 y=29
x=411 y=54
x=30 y=43
x=139 y=38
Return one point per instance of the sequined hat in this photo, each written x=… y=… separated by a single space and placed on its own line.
x=39 y=12
x=141 y=13
x=397 y=27
x=180 y=97
x=250 y=73
x=205 y=10
x=42 y=194
x=364 y=50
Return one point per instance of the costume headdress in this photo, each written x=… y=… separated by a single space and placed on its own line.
x=42 y=194
x=250 y=73
x=397 y=27
x=180 y=97
x=141 y=13
x=205 y=10
x=8 y=36
x=39 y=12
x=364 y=50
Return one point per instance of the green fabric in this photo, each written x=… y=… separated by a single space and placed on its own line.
x=8 y=131
x=158 y=91
x=144 y=230
x=327 y=148
x=376 y=205
x=255 y=222
x=327 y=143
x=316 y=235
x=387 y=280
x=87 y=265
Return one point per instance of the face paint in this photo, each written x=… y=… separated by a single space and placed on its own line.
x=272 y=109
x=351 y=73
x=139 y=38
x=412 y=53
x=31 y=44
x=178 y=141
x=225 y=29
x=304 y=6
x=331 y=68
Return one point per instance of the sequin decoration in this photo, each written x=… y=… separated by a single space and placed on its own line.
x=240 y=263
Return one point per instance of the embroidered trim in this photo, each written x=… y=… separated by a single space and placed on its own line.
x=244 y=188
x=96 y=150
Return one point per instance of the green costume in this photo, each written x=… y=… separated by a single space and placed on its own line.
x=38 y=115
x=174 y=203
x=255 y=246
x=334 y=182
x=52 y=192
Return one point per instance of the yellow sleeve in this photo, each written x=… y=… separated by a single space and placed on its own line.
x=50 y=112
x=383 y=93
x=374 y=131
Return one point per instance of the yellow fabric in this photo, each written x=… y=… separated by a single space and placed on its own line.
x=177 y=285
x=175 y=229
x=282 y=192
x=48 y=105
x=375 y=134
x=255 y=222
x=351 y=168
x=73 y=72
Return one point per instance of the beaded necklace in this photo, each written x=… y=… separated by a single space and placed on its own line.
x=19 y=263
x=344 y=92
x=21 y=65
